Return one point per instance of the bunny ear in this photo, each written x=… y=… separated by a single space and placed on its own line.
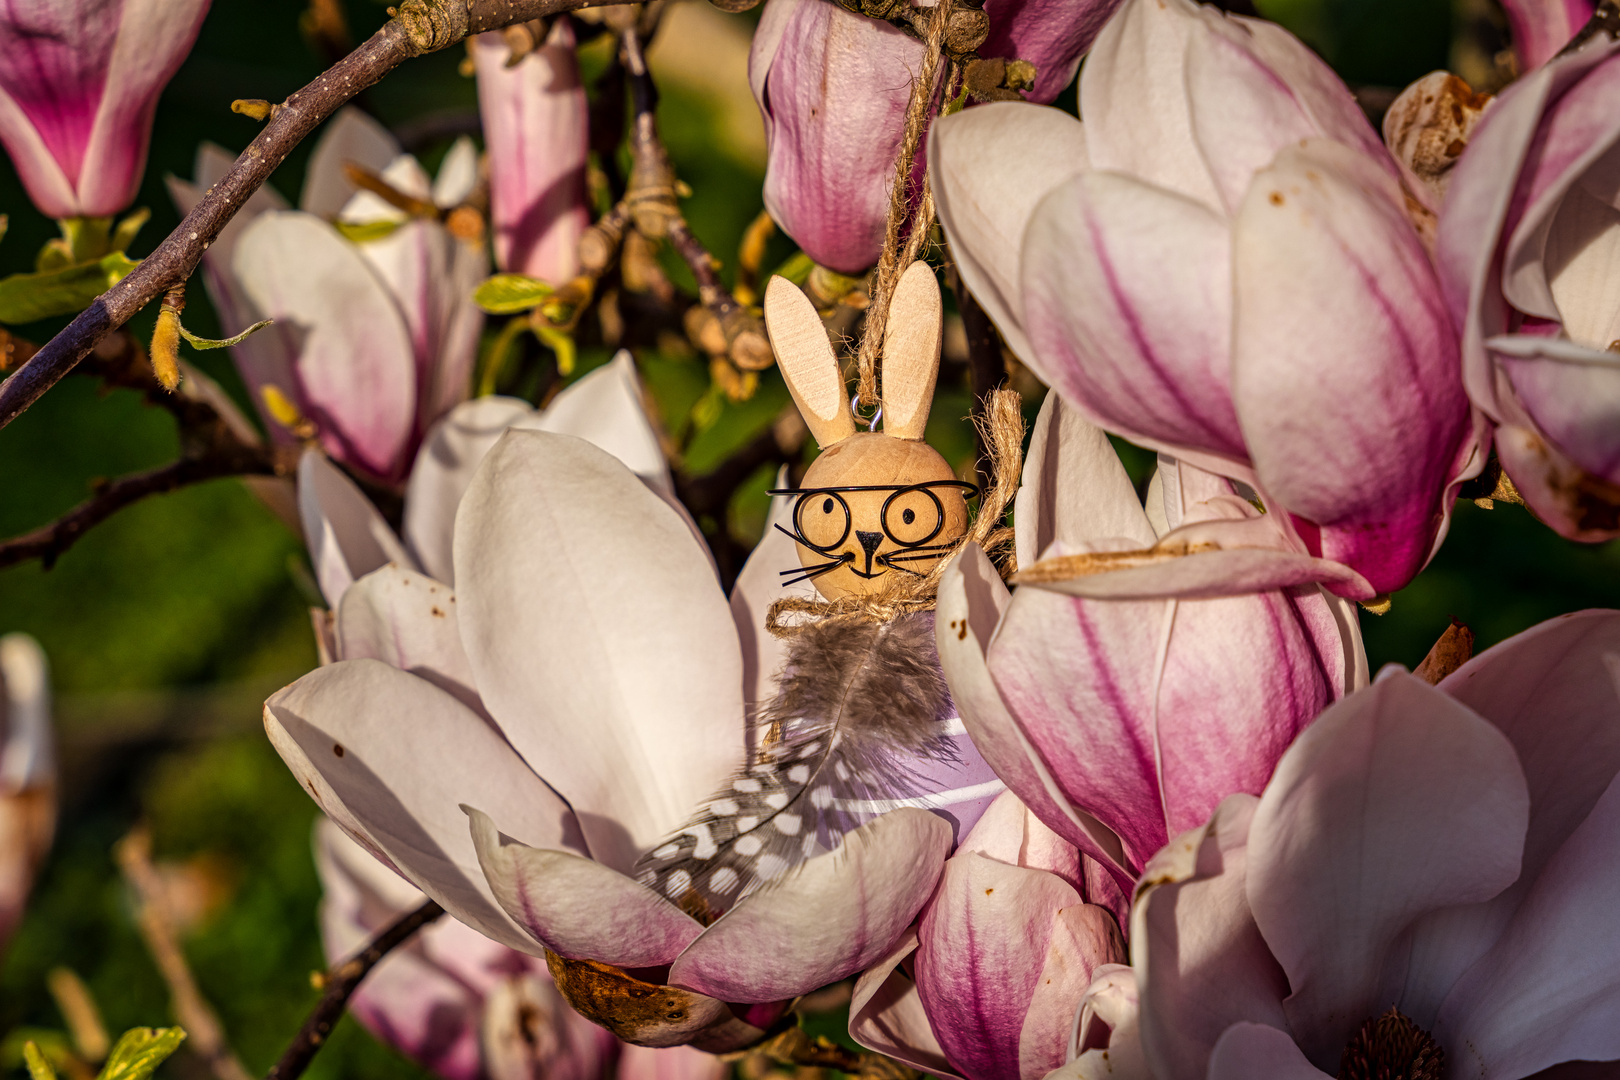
x=911 y=352
x=806 y=358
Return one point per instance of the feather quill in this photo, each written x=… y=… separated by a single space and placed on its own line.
x=859 y=707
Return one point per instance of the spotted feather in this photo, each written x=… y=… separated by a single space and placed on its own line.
x=859 y=708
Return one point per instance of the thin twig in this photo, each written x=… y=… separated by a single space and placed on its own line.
x=1605 y=20
x=338 y=985
x=205 y=1034
x=985 y=368
x=421 y=26
x=657 y=216
x=210 y=450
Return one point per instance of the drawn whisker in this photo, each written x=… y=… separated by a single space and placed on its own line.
x=815 y=572
x=819 y=568
x=911 y=556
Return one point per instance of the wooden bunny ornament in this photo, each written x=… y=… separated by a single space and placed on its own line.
x=861 y=720
x=874 y=503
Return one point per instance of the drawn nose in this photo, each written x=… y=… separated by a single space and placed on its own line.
x=869 y=541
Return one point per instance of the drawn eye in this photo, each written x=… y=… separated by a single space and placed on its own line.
x=823 y=524
x=913 y=516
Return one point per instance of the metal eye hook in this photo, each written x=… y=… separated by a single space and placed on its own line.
x=855 y=410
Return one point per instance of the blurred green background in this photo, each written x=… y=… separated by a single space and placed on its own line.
x=169 y=624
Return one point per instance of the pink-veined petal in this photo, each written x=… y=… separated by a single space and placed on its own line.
x=601 y=642
x=1541 y=27
x=886 y=1015
x=989 y=168
x=395 y=756
x=1396 y=802
x=824 y=920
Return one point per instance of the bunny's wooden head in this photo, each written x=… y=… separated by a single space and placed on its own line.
x=874 y=503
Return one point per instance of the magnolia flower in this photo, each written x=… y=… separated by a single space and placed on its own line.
x=1429 y=877
x=536 y=126
x=27 y=774
x=1172 y=674
x=1219 y=264
x=585 y=655
x=1001 y=954
x=833 y=87
x=460 y=1004
x=1529 y=248
x=79 y=85
x=374 y=339
x=1541 y=27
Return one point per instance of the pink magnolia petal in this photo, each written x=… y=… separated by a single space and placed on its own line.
x=1247 y=1051
x=1552 y=693
x=1133 y=96
x=989 y=168
x=424 y=998
x=834 y=98
x=1009 y=833
x=1149 y=713
x=1201 y=964
x=1562 y=127
x=608 y=409
x=1005 y=951
x=824 y=920
x=1396 y=802
x=1212 y=574
x=351 y=136
x=600 y=640
x=355 y=372
x=390 y=757
x=886 y=1015
x=579 y=908
x=759 y=584
x=971 y=601
x=1542 y=27
x=1148 y=355
x=1573 y=393
x=1051 y=34
x=1339 y=319
x=1074 y=487
x=153 y=39
x=1106 y=1044
x=1549 y=989
x=1551 y=484
x=535 y=118
x=445 y=464
x=346 y=536
x=407 y=621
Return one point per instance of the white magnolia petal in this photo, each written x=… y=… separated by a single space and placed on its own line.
x=351 y=136
x=346 y=537
x=407 y=621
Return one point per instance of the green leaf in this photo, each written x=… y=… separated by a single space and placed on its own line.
x=361 y=231
x=38 y=1067
x=71 y=289
x=202 y=344
x=562 y=345
x=797 y=268
x=139 y=1052
x=508 y=294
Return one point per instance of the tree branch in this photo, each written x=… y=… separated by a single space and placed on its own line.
x=211 y=449
x=421 y=26
x=338 y=985
x=191 y=1009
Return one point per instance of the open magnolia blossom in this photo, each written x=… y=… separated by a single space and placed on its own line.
x=1173 y=669
x=535 y=120
x=834 y=110
x=79 y=86
x=1219 y=264
x=1530 y=253
x=1446 y=853
x=1001 y=954
x=462 y=1005
x=348 y=538
x=27 y=774
x=374 y=337
x=586 y=655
